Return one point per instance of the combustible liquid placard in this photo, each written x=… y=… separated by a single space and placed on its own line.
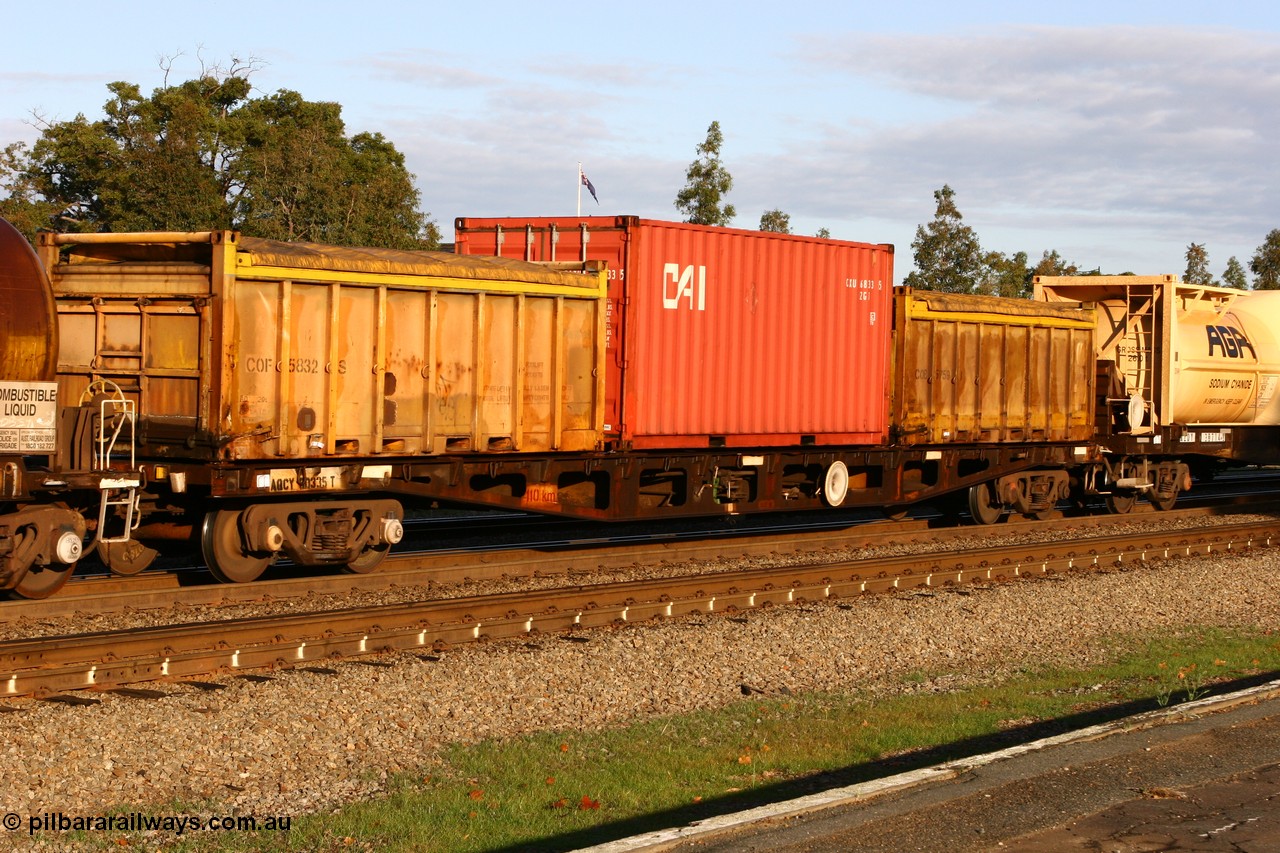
x=28 y=411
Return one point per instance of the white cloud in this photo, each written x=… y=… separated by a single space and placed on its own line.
x=448 y=73
x=1130 y=134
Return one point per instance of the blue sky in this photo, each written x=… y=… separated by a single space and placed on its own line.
x=1116 y=133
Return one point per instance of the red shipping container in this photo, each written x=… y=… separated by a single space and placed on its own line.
x=721 y=337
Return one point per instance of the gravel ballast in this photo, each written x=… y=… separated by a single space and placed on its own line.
x=305 y=741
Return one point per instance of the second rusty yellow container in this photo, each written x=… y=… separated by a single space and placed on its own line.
x=982 y=369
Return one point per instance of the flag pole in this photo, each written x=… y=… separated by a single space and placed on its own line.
x=579 y=189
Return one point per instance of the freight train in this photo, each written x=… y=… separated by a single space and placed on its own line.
x=274 y=400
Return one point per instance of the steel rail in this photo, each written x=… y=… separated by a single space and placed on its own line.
x=565 y=559
x=110 y=659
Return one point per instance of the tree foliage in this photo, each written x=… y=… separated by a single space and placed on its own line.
x=204 y=155
x=1007 y=275
x=947 y=254
x=1266 y=263
x=1051 y=263
x=775 y=220
x=707 y=182
x=1234 y=275
x=1197 y=271
x=19 y=201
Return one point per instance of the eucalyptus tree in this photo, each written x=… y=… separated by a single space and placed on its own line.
x=775 y=220
x=947 y=254
x=1234 y=275
x=1197 y=271
x=707 y=182
x=1265 y=263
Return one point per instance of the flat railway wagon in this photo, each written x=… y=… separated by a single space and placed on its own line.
x=1003 y=391
x=838 y=390
x=1188 y=379
x=274 y=400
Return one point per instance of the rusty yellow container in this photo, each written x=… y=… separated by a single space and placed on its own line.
x=238 y=348
x=988 y=369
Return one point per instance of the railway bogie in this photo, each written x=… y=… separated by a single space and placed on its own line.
x=42 y=543
x=1158 y=479
x=239 y=544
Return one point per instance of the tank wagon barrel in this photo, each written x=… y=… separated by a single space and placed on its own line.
x=28 y=330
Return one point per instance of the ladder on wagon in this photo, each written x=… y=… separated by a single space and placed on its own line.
x=117 y=416
x=1133 y=338
x=1141 y=322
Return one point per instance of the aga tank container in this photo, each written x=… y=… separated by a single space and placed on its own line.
x=726 y=337
x=1190 y=353
x=1260 y=316
x=254 y=349
x=1228 y=361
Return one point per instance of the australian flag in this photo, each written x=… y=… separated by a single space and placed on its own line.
x=587 y=183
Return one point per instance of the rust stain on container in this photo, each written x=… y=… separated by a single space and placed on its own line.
x=982 y=369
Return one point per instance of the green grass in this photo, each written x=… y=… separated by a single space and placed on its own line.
x=562 y=790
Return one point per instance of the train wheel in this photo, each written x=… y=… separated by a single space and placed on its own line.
x=224 y=552
x=43 y=581
x=369 y=559
x=981 y=507
x=1121 y=504
x=1163 y=502
x=125 y=558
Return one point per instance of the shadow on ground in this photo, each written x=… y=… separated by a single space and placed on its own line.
x=817 y=783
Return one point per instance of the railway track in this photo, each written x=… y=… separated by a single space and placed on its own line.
x=112 y=659
x=484 y=546
x=562 y=558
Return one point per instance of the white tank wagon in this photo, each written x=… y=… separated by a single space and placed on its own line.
x=1193 y=354
x=1188 y=376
